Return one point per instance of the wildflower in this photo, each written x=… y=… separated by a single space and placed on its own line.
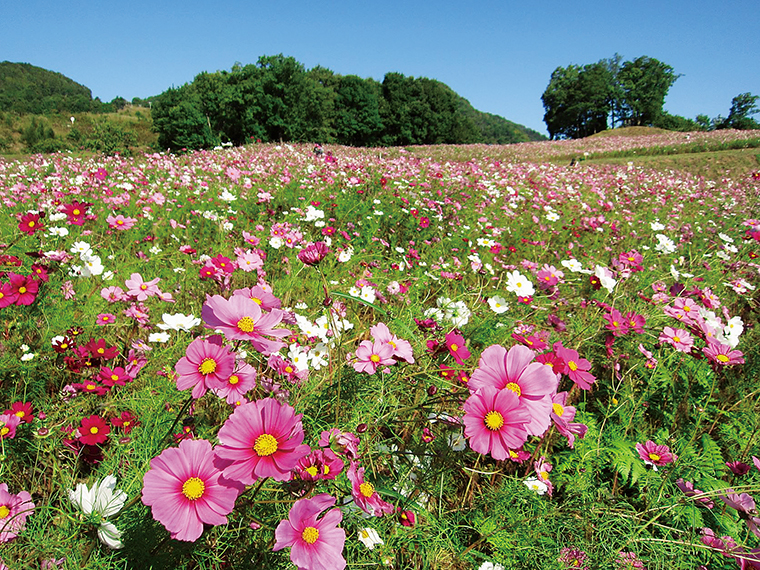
x=520 y=285
x=722 y=354
x=93 y=430
x=321 y=463
x=515 y=370
x=687 y=487
x=573 y=559
x=263 y=298
x=364 y=493
x=494 y=421
x=127 y=421
x=140 y=289
x=575 y=368
x=241 y=381
x=315 y=543
x=161 y=337
x=76 y=212
x=457 y=348
x=102 y=501
x=406 y=518
x=536 y=485
x=14 y=510
x=680 y=339
x=655 y=455
x=185 y=490
x=22 y=410
x=498 y=304
x=23 y=288
x=563 y=415
x=745 y=506
x=616 y=323
x=542 y=469
x=178 y=322
x=8 y=425
x=206 y=364
x=628 y=561
x=31 y=222
x=105 y=319
x=120 y=222
x=369 y=537
x=260 y=439
x=372 y=355
x=241 y=318
x=313 y=253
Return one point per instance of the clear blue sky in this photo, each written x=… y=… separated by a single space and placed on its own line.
x=497 y=54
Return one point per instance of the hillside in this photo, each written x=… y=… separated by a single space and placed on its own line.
x=27 y=89
x=495 y=129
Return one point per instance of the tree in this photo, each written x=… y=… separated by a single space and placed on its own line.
x=743 y=106
x=179 y=121
x=357 y=112
x=645 y=83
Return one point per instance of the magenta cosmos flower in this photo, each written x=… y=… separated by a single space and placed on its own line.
x=261 y=439
x=14 y=510
x=680 y=339
x=315 y=544
x=185 y=490
x=515 y=370
x=563 y=416
x=722 y=354
x=364 y=493
x=241 y=318
x=495 y=422
x=575 y=367
x=656 y=455
x=206 y=364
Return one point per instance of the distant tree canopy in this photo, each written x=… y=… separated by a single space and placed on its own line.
x=277 y=99
x=580 y=101
x=26 y=89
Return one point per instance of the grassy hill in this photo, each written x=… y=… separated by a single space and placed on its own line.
x=27 y=89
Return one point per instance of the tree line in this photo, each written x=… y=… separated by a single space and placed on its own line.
x=277 y=99
x=582 y=100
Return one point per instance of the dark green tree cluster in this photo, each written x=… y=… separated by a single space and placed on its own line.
x=582 y=100
x=277 y=99
x=26 y=89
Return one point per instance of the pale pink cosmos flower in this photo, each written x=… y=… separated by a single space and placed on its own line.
x=264 y=299
x=515 y=370
x=14 y=510
x=563 y=416
x=372 y=355
x=542 y=468
x=185 y=490
x=261 y=439
x=120 y=222
x=207 y=364
x=113 y=294
x=249 y=261
x=494 y=422
x=402 y=349
x=722 y=354
x=680 y=339
x=241 y=318
x=655 y=455
x=8 y=425
x=365 y=495
x=315 y=544
x=140 y=289
x=240 y=382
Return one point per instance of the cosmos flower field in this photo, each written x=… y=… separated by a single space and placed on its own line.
x=433 y=357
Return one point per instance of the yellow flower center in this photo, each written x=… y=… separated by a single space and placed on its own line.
x=76 y=212
x=493 y=420
x=115 y=377
x=93 y=430
x=375 y=358
x=654 y=457
x=310 y=535
x=572 y=365
x=4 y=431
x=722 y=358
x=311 y=470
x=22 y=289
x=143 y=286
x=676 y=339
x=20 y=413
x=91 y=386
x=687 y=308
x=514 y=387
x=193 y=488
x=615 y=324
x=258 y=301
x=325 y=470
x=208 y=366
x=245 y=324
x=454 y=348
x=289 y=369
x=544 y=475
x=367 y=489
x=120 y=222
x=234 y=379
x=4 y=512
x=102 y=350
x=558 y=409
x=265 y=445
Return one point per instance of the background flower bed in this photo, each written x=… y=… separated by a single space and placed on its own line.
x=409 y=238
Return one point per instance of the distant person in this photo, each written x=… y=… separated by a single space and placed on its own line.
x=318 y=150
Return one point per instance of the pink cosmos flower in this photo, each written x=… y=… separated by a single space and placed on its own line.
x=515 y=370
x=495 y=422
x=656 y=455
x=548 y=276
x=264 y=299
x=105 y=319
x=8 y=295
x=722 y=354
x=563 y=415
x=617 y=324
x=260 y=439
x=24 y=288
x=402 y=349
x=113 y=294
x=372 y=355
x=206 y=364
x=14 y=510
x=321 y=463
x=8 y=425
x=241 y=318
x=542 y=468
x=30 y=223
x=313 y=253
x=687 y=488
x=345 y=443
x=575 y=368
x=457 y=348
x=680 y=339
x=249 y=261
x=185 y=490
x=120 y=222
x=140 y=289
x=745 y=505
x=365 y=495
x=242 y=381
x=315 y=544
x=635 y=322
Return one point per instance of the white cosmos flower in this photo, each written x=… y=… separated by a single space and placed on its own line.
x=368 y=294
x=520 y=285
x=161 y=337
x=369 y=538
x=178 y=322
x=536 y=485
x=498 y=304
x=102 y=501
x=605 y=278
